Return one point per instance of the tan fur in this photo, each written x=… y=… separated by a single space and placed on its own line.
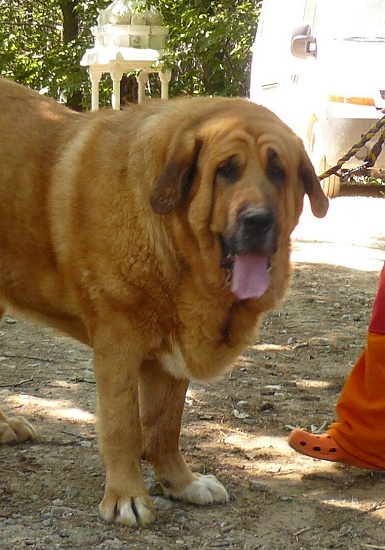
x=100 y=238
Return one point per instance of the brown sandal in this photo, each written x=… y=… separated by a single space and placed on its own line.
x=325 y=447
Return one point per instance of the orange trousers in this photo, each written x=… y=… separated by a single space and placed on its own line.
x=360 y=425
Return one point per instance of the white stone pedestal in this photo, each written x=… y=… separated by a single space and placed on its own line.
x=119 y=60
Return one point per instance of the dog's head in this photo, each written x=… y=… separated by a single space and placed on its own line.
x=239 y=175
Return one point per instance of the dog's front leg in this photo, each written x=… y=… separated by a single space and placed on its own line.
x=116 y=365
x=162 y=398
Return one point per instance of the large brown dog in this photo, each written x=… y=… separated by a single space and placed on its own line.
x=158 y=235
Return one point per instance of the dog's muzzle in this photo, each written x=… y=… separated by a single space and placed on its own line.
x=247 y=249
x=255 y=229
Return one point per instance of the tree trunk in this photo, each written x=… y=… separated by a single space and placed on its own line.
x=70 y=32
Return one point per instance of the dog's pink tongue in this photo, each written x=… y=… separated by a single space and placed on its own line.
x=250 y=275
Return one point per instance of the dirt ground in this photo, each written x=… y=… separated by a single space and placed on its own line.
x=236 y=429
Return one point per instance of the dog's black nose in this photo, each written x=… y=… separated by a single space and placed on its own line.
x=257 y=219
x=256 y=230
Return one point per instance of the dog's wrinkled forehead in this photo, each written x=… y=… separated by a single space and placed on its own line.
x=241 y=132
x=227 y=134
x=237 y=143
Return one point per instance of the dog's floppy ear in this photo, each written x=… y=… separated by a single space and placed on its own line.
x=318 y=201
x=176 y=177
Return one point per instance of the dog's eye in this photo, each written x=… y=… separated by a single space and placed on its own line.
x=274 y=169
x=229 y=170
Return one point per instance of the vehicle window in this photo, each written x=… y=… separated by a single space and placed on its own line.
x=309 y=11
x=358 y=20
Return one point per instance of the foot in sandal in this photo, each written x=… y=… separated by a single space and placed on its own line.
x=325 y=447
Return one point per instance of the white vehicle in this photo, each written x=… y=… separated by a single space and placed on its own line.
x=320 y=66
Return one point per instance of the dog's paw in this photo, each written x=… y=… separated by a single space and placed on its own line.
x=204 y=490
x=15 y=429
x=132 y=511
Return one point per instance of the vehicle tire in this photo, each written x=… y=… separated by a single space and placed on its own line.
x=332 y=185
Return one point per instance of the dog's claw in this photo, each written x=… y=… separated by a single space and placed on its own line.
x=204 y=490
x=132 y=511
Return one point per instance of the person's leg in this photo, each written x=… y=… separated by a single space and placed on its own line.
x=358 y=436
